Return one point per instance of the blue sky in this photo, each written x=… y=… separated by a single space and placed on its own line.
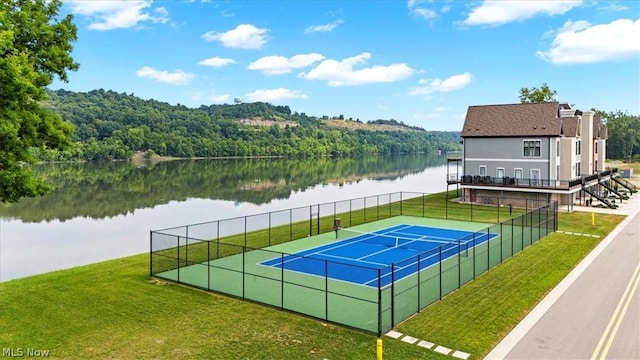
x=419 y=62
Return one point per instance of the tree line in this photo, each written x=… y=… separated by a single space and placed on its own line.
x=623 y=130
x=110 y=125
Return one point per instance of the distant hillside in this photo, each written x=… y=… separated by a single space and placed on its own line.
x=374 y=125
x=112 y=125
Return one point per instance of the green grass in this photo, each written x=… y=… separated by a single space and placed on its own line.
x=477 y=316
x=113 y=310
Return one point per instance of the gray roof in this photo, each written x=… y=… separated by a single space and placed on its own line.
x=570 y=126
x=531 y=119
x=599 y=129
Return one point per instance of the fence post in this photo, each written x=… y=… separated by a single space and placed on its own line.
x=365 y=210
x=555 y=216
x=269 y=228
x=208 y=265
x=446 y=204
x=150 y=253
x=501 y=243
x=524 y=225
x=178 y=258
x=393 y=296
x=473 y=241
x=311 y=220
x=218 y=239
x=379 y=304
x=512 y=238
x=326 y=290
x=418 y=282
x=498 y=207
x=186 y=247
x=471 y=202
x=244 y=272
x=531 y=226
x=459 y=266
x=440 y=269
x=350 y=212
x=488 y=248
x=281 y=281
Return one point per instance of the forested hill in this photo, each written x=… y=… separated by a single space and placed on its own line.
x=111 y=125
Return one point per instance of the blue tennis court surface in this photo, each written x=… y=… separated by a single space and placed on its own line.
x=366 y=258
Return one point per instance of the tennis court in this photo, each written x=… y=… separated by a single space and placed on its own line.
x=393 y=250
x=388 y=262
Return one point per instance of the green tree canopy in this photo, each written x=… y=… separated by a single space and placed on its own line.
x=535 y=95
x=624 y=134
x=35 y=47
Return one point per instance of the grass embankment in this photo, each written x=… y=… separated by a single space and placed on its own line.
x=113 y=310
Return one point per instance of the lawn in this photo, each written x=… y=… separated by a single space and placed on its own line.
x=113 y=310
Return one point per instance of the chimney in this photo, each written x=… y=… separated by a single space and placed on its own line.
x=586 y=137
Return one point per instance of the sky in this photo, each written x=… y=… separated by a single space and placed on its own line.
x=420 y=62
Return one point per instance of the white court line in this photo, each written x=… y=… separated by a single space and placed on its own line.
x=348 y=258
x=408 y=275
x=341 y=243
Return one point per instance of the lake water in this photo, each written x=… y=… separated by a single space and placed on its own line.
x=105 y=211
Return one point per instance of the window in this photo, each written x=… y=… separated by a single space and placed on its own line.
x=578 y=147
x=557 y=147
x=578 y=170
x=517 y=173
x=596 y=147
x=483 y=170
x=499 y=172
x=531 y=148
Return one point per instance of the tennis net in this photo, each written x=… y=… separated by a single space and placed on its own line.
x=417 y=242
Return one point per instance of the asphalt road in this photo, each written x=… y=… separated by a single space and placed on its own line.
x=594 y=313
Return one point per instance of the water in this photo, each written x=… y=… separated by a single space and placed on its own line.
x=105 y=211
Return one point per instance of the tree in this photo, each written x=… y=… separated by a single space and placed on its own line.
x=623 y=131
x=535 y=95
x=35 y=47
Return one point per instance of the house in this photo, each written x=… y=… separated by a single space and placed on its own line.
x=539 y=151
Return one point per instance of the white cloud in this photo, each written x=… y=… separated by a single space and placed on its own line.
x=244 y=36
x=435 y=113
x=219 y=99
x=323 y=28
x=216 y=62
x=611 y=7
x=274 y=95
x=275 y=65
x=108 y=15
x=341 y=73
x=494 y=13
x=580 y=42
x=417 y=8
x=455 y=82
x=177 y=77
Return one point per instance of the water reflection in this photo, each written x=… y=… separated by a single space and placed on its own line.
x=110 y=189
x=101 y=212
